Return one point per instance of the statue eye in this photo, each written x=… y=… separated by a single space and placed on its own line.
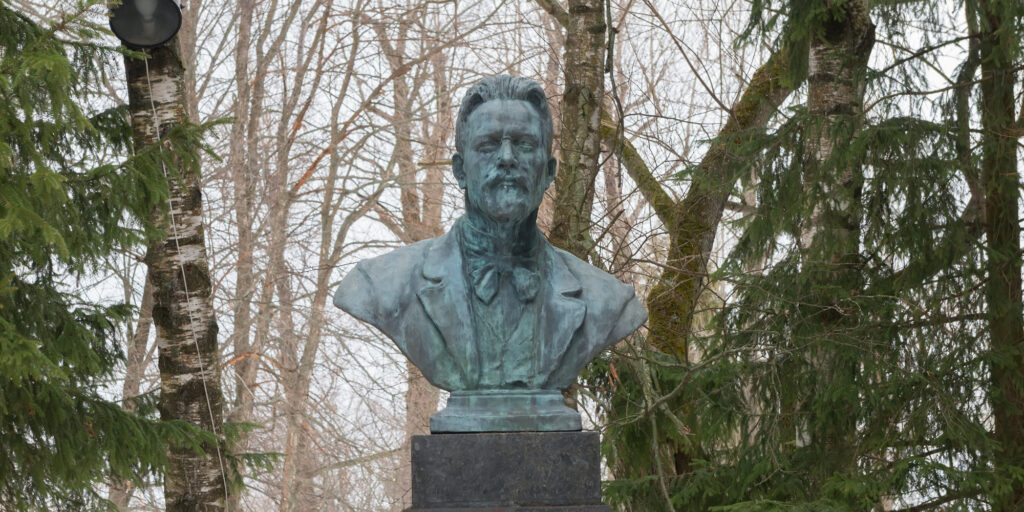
x=525 y=145
x=487 y=147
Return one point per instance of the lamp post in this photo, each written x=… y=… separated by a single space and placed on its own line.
x=186 y=330
x=144 y=24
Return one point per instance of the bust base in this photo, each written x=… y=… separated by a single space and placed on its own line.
x=503 y=410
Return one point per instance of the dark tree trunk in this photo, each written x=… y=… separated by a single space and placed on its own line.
x=693 y=222
x=1002 y=233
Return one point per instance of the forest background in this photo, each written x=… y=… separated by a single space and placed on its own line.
x=818 y=201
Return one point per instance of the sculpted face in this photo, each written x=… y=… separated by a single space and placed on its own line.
x=505 y=168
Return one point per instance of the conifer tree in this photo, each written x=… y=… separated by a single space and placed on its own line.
x=872 y=359
x=70 y=194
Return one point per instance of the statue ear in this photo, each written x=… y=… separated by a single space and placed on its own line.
x=458 y=171
x=552 y=167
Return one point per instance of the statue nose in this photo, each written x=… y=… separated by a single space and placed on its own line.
x=506 y=158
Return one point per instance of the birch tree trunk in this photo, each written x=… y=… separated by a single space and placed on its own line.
x=580 y=137
x=186 y=330
x=837 y=65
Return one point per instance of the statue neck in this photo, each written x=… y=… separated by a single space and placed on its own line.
x=501 y=238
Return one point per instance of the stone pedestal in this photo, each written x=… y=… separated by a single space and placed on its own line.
x=506 y=472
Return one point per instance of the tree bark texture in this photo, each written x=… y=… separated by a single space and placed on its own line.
x=693 y=222
x=555 y=38
x=830 y=240
x=187 y=47
x=1001 y=184
x=186 y=330
x=580 y=138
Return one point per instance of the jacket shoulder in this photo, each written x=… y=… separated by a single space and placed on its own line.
x=376 y=289
x=397 y=264
x=607 y=298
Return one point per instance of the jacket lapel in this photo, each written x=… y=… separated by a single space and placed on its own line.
x=445 y=301
x=562 y=313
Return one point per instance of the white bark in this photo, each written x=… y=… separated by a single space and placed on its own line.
x=186 y=330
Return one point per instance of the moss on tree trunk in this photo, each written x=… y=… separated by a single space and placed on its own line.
x=581 y=127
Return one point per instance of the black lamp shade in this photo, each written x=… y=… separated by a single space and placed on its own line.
x=146 y=23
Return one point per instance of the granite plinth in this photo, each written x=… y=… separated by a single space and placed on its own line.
x=507 y=472
x=517 y=508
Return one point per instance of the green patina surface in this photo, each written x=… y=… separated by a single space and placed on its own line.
x=492 y=311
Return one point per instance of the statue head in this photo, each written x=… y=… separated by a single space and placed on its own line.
x=503 y=137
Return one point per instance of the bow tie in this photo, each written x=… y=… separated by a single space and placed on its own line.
x=486 y=265
x=486 y=277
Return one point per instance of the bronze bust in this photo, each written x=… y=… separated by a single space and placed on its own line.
x=491 y=310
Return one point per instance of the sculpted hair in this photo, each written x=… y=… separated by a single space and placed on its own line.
x=504 y=87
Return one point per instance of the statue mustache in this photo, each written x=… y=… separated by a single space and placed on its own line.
x=515 y=177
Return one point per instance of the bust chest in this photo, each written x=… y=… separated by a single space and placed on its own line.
x=506 y=331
